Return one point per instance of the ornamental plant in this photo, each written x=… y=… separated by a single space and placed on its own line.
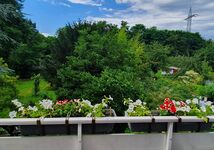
x=61 y=108
x=191 y=107
x=200 y=108
x=172 y=107
x=137 y=108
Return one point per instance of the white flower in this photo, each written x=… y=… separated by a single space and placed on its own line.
x=110 y=98
x=34 y=108
x=144 y=103
x=88 y=115
x=203 y=109
x=46 y=103
x=188 y=109
x=188 y=101
x=177 y=103
x=131 y=106
x=21 y=109
x=12 y=114
x=208 y=103
x=212 y=107
x=130 y=110
x=195 y=101
x=16 y=103
x=96 y=106
x=87 y=102
x=138 y=102
x=202 y=103
x=105 y=105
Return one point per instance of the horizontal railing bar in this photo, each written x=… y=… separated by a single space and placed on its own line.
x=88 y=120
x=190 y=119
x=211 y=118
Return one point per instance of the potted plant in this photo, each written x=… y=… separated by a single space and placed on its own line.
x=140 y=109
x=194 y=107
x=181 y=109
x=63 y=108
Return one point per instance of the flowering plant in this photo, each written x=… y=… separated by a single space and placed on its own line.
x=194 y=107
x=200 y=108
x=61 y=108
x=137 y=108
x=171 y=107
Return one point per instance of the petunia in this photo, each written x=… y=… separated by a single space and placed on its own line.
x=12 y=114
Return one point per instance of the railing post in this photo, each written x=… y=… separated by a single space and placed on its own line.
x=169 y=136
x=79 y=134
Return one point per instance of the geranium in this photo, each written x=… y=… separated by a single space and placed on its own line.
x=194 y=107
x=62 y=102
x=168 y=106
x=137 y=108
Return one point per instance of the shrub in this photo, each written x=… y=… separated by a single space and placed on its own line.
x=7 y=88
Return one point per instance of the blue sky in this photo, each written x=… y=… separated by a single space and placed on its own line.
x=49 y=15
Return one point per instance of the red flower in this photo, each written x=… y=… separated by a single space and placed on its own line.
x=167 y=99
x=173 y=109
x=168 y=105
x=162 y=107
x=182 y=104
x=62 y=102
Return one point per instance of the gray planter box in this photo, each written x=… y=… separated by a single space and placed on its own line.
x=148 y=127
x=192 y=126
x=69 y=129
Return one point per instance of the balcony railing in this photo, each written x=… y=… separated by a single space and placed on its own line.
x=148 y=141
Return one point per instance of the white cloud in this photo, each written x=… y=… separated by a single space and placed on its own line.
x=86 y=2
x=64 y=4
x=106 y=9
x=46 y=34
x=67 y=3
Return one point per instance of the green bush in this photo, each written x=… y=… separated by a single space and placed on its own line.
x=167 y=86
x=7 y=89
x=206 y=90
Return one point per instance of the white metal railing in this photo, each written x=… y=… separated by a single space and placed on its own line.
x=86 y=120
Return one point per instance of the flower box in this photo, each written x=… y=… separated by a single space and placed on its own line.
x=198 y=126
x=69 y=129
x=192 y=126
x=33 y=130
x=148 y=127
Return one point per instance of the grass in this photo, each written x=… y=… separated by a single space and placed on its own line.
x=25 y=90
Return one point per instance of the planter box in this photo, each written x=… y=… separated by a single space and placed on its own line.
x=69 y=129
x=192 y=126
x=148 y=127
x=29 y=130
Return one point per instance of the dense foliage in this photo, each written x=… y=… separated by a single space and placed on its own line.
x=21 y=45
x=7 y=88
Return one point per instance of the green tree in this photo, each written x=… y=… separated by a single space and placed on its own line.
x=157 y=55
x=207 y=54
x=109 y=64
